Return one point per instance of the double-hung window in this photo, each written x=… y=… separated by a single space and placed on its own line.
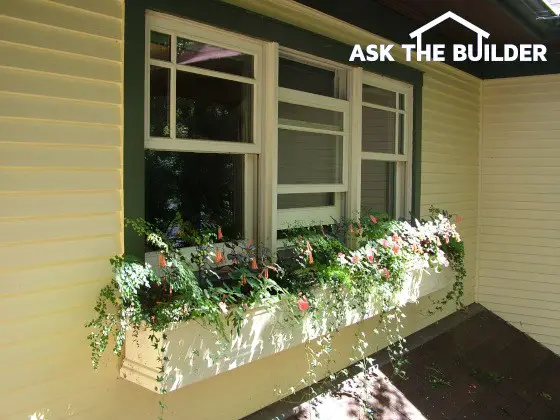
x=386 y=150
x=236 y=127
x=202 y=131
x=313 y=138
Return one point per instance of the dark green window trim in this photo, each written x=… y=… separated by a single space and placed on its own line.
x=226 y=16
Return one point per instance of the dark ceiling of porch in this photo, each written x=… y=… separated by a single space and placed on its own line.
x=507 y=21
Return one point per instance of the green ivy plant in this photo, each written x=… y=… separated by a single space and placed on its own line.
x=355 y=261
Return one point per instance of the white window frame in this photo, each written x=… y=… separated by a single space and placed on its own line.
x=262 y=218
x=307 y=216
x=403 y=182
x=178 y=27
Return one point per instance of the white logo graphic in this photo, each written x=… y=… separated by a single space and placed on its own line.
x=461 y=52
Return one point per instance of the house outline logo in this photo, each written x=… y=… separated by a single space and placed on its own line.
x=481 y=33
x=461 y=52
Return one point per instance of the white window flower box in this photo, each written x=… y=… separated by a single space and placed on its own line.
x=190 y=346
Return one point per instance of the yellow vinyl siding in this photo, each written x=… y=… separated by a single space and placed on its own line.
x=60 y=196
x=520 y=203
x=61 y=210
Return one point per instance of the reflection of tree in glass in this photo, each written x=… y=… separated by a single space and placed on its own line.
x=213 y=109
x=204 y=188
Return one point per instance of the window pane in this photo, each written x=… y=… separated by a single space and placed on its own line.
x=159 y=102
x=306 y=78
x=160 y=46
x=378 y=187
x=297 y=201
x=202 y=187
x=378 y=96
x=378 y=130
x=210 y=57
x=401 y=133
x=213 y=109
x=309 y=158
x=306 y=116
x=401 y=101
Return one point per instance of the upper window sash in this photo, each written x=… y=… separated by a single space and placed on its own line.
x=193 y=31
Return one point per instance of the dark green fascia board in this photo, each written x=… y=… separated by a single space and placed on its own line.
x=236 y=19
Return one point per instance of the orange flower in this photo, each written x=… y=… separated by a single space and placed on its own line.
x=459 y=218
x=303 y=304
x=219 y=257
x=161 y=260
x=243 y=279
x=351 y=228
x=254 y=265
x=396 y=249
x=310 y=259
x=220 y=236
x=265 y=272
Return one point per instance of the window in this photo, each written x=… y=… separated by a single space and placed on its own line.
x=236 y=127
x=313 y=139
x=386 y=148
x=202 y=134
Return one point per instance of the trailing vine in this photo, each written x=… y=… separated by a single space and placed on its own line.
x=351 y=266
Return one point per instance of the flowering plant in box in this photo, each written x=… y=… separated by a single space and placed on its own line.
x=224 y=277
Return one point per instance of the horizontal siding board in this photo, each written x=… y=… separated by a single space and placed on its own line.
x=32 y=230
x=58 y=132
x=51 y=277
x=60 y=16
x=58 y=39
x=529 y=285
x=24 y=57
x=14 y=154
x=57 y=86
x=58 y=252
x=525 y=274
x=58 y=204
x=112 y=8
x=28 y=106
x=59 y=180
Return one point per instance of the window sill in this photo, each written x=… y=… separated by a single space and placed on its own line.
x=190 y=344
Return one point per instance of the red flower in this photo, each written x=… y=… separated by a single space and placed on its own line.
x=161 y=260
x=373 y=219
x=220 y=236
x=396 y=249
x=303 y=304
x=370 y=258
x=254 y=265
x=219 y=257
